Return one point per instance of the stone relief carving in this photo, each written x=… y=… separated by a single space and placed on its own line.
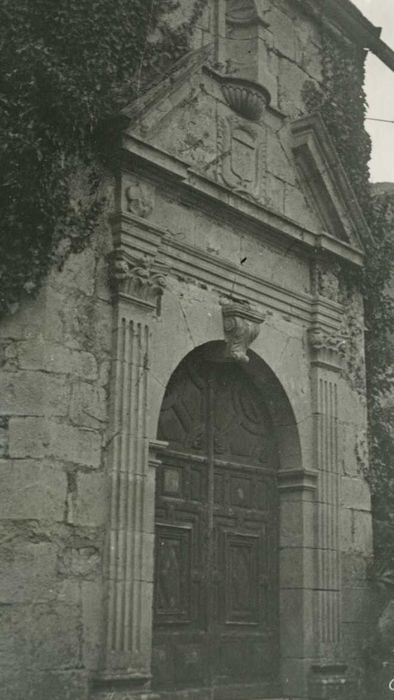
x=322 y=340
x=141 y=279
x=325 y=280
x=241 y=327
x=140 y=200
x=243 y=155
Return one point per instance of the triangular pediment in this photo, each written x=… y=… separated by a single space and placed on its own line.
x=325 y=183
x=159 y=100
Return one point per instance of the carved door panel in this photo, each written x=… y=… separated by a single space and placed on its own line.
x=216 y=588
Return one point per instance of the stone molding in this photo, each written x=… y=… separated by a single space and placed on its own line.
x=327 y=681
x=188 y=261
x=241 y=326
x=326 y=182
x=190 y=184
x=141 y=280
x=297 y=480
x=155 y=449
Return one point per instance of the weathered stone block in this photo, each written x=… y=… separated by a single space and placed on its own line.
x=77 y=273
x=82 y=562
x=297 y=567
x=275 y=192
x=354 y=569
x=354 y=637
x=27 y=572
x=297 y=527
x=31 y=490
x=77 y=445
x=297 y=208
x=27 y=320
x=356 y=531
x=362 y=529
x=277 y=161
x=283 y=30
x=44 y=635
x=296 y=612
x=28 y=437
x=92 y=616
x=48 y=685
x=355 y=494
x=88 y=406
x=3 y=437
x=91 y=504
x=356 y=604
x=8 y=355
x=56 y=358
x=79 y=322
x=31 y=393
x=291 y=85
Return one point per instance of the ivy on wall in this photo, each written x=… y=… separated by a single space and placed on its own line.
x=341 y=102
x=67 y=66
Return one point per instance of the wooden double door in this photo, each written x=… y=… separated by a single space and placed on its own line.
x=216 y=546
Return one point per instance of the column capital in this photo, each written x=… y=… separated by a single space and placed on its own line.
x=138 y=280
x=327 y=347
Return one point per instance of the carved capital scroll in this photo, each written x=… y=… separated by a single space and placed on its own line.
x=142 y=281
x=327 y=348
x=241 y=327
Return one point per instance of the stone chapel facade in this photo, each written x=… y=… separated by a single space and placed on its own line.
x=183 y=413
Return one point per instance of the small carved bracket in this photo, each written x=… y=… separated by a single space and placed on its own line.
x=241 y=327
x=140 y=280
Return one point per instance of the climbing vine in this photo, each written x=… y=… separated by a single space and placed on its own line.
x=67 y=67
x=342 y=104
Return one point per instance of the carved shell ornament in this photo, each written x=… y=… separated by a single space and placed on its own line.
x=245 y=97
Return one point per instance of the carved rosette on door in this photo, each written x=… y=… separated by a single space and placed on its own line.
x=216 y=608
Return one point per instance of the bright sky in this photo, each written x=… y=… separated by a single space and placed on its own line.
x=380 y=92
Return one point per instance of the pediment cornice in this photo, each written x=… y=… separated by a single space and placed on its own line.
x=325 y=182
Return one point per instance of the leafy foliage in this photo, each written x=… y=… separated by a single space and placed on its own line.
x=342 y=104
x=67 y=66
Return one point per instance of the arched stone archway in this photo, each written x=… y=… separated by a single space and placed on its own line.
x=217 y=419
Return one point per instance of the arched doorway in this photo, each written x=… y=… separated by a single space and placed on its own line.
x=216 y=625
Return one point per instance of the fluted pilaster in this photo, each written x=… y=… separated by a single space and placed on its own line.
x=138 y=285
